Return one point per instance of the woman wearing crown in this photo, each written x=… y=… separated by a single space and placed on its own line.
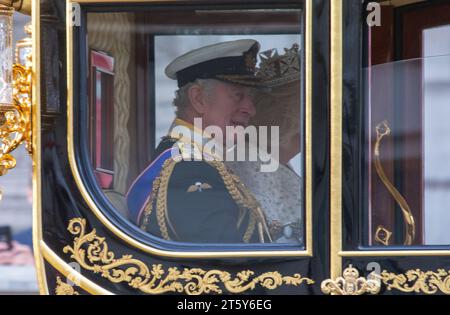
x=279 y=192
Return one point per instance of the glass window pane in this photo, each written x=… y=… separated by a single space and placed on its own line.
x=196 y=122
x=436 y=76
x=407 y=85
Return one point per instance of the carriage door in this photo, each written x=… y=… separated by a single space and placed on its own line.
x=394 y=144
x=106 y=104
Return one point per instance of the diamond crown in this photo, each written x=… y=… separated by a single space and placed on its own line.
x=275 y=69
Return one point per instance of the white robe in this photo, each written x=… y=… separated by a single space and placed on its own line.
x=280 y=196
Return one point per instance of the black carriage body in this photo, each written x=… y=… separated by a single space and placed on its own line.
x=77 y=233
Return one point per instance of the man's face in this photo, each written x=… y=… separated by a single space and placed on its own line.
x=229 y=105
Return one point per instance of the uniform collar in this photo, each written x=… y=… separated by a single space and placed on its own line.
x=198 y=138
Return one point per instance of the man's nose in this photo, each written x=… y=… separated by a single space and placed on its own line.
x=248 y=106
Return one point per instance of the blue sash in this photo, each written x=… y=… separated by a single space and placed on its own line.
x=140 y=191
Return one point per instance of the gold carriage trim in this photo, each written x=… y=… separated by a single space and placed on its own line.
x=63 y=288
x=352 y=284
x=418 y=281
x=15 y=119
x=91 y=252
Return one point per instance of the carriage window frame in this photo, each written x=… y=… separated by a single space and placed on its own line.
x=353 y=227
x=405 y=52
x=101 y=87
x=99 y=203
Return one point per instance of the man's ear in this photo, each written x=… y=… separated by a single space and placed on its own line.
x=196 y=98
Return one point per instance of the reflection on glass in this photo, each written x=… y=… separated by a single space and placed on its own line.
x=164 y=94
x=436 y=77
x=406 y=150
x=204 y=122
x=24 y=48
x=6 y=55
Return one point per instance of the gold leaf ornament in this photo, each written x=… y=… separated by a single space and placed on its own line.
x=15 y=119
x=63 y=288
x=352 y=284
x=91 y=252
x=418 y=281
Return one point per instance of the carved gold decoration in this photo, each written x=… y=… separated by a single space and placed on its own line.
x=63 y=288
x=15 y=118
x=383 y=130
x=427 y=282
x=383 y=235
x=352 y=284
x=93 y=254
x=15 y=121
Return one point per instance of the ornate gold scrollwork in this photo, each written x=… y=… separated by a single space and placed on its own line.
x=352 y=284
x=92 y=253
x=383 y=130
x=63 y=288
x=427 y=282
x=15 y=121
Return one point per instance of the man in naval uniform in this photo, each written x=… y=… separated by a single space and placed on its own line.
x=199 y=200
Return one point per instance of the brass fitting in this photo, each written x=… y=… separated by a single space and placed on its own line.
x=22 y=6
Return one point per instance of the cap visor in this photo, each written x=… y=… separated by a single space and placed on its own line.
x=246 y=80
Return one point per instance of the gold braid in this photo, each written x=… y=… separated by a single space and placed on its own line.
x=161 y=202
x=250 y=229
x=159 y=193
x=245 y=199
x=149 y=206
x=238 y=191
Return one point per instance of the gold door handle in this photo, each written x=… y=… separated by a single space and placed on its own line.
x=383 y=130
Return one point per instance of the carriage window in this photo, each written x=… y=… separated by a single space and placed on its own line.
x=195 y=125
x=407 y=95
x=101 y=124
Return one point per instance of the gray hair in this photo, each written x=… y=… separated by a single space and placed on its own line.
x=181 y=100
